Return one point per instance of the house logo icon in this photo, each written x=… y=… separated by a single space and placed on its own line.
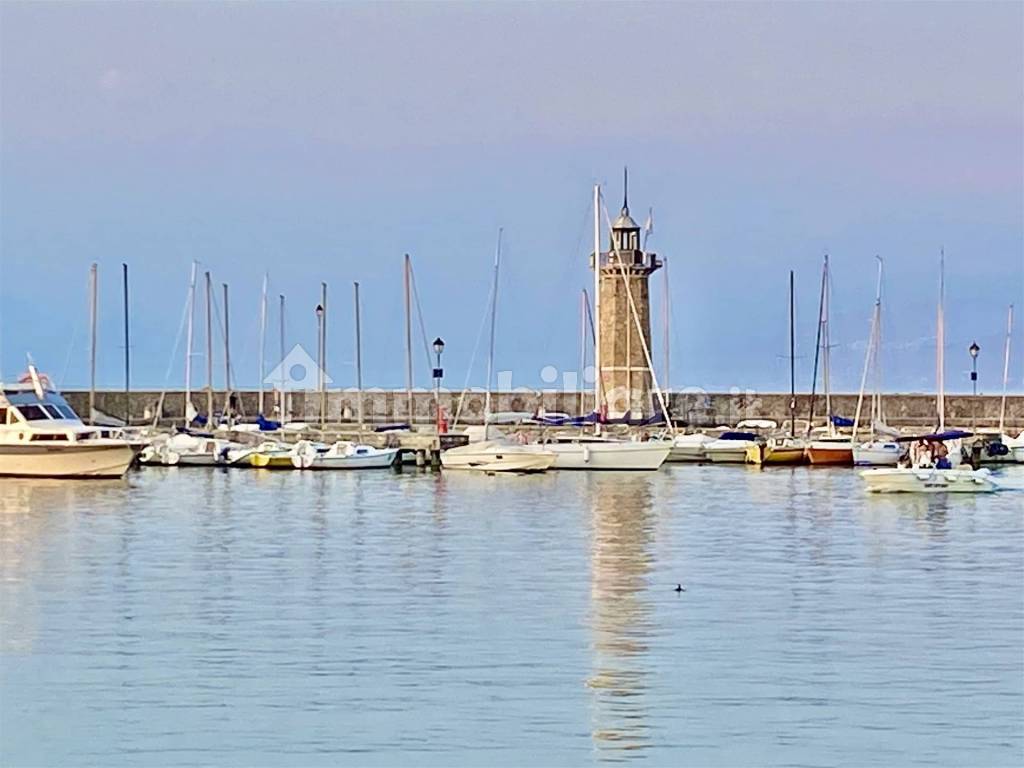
x=297 y=372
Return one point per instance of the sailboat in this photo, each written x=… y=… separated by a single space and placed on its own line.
x=876 y=451
x=832 y=447
x=934 y=459
x=496 y=453
x=1002 y=448
x=594 y=452
x=783 y=449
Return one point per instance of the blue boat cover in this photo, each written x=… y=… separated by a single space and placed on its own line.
x=951 y=434
x=738 y=436
x=391 y=427
x=266 y=425
x=840 y=421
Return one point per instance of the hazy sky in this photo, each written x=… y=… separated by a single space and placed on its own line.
x=322 y=141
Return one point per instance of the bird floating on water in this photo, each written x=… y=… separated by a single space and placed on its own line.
x=680 y=588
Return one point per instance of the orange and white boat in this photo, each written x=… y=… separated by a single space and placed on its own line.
x=836 y=450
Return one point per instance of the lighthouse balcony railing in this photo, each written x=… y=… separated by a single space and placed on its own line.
x=631 y=260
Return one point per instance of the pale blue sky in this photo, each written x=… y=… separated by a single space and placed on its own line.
x=322 y=141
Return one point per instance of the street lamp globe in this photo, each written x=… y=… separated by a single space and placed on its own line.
x=438 y=345
x=319 y=310
x=974 y=349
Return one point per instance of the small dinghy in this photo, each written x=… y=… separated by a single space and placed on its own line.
x=341 y=455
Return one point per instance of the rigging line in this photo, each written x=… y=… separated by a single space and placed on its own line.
x=639 y=329
x=472 y=359
x=71 y=349
x=569 y=267
x=170 y=363
x=419 y=314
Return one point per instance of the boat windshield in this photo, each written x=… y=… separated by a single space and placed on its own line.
x=32 y=412
x=31 y=408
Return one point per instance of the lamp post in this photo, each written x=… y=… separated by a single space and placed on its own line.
x=974 y=349
x=438 y=375
x=320 y=357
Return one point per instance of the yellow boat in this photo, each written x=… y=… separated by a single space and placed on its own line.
x=777 y=450
x=272 y=460
x=271 y=456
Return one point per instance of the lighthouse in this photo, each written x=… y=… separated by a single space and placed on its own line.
x=624 y=318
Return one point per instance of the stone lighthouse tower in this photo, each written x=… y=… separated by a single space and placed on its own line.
x=623 y=290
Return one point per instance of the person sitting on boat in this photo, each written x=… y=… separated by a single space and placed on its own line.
x=940 y=455
x=920 y=454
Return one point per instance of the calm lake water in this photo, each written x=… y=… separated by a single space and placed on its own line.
x=186 y=616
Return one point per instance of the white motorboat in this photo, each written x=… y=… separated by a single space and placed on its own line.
x=42 y=436
x=592 y=453
x=689 y=447
x=877 y=453
x=730 y=447
x=187 y=450
x=341 y=455
x=928 y=480
x=498 y=456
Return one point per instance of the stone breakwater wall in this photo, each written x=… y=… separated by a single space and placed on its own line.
x=698 y=409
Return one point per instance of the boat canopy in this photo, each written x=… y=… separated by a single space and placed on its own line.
x=392 y=428
x=737 y=436
x=951 y=434
x=840 y=421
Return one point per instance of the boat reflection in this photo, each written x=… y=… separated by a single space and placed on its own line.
x=620 y=617
x=31 y=511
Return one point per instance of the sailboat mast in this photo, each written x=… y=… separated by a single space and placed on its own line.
x=665 y=318
x=263 y=342
x=227 y=356
x=583 y=346
x=408 y=340
x=284 y=397
x=323 y=358
x=792 y=358
x=1006 y=368
x=940 y=345
x=359 y=356
x=127 y=350
x=817 y=347
x=826 y=350
x=869 y=357
x=92 y=343
x=209 y=351
x=490 y=348
x=598 y=383
x=188 y=340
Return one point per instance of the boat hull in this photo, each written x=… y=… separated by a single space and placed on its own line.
x=688 y=448
x=609 y=456
x=76 y=460
x=877 y=454
x=514 y=458
x=731 y=455
x=382 y=460
x=271 y=460
x=768 y=455
x=827 y=454
x=928 y=481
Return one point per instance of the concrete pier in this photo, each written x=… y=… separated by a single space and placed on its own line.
x=695 y=409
